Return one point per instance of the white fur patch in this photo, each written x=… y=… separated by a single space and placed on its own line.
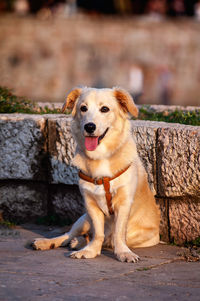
x=98 y=193
x=102 y=170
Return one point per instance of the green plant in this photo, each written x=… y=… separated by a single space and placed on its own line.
x=7 y=224
x=177 y=116
x=10 y=103
x=192 y=243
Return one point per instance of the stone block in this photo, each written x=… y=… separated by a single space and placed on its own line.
x=23 y=202
x=164 y=223
x=61 y=148
x=178 y=161
x=184 y=219
x=144 y=134
x=22 y=147
x=67 y=202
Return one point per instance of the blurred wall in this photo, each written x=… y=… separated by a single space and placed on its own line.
x=158 y=62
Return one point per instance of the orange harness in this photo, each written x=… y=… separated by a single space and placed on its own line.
x=105 y=181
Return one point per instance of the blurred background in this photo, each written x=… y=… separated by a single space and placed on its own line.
x=149 y=47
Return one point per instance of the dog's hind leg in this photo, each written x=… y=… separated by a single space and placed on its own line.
x=80 y=227
x=141 y=238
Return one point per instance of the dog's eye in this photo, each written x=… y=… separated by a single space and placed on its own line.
x=104 y=109
x=83 y=108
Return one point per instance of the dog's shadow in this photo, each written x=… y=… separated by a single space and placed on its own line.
x=105 y=251
x=50 y=232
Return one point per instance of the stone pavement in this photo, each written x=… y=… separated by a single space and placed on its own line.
x=162 y=274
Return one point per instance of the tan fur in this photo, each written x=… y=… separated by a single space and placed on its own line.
x=70 y=100
x=135 y=222
x=125 y=101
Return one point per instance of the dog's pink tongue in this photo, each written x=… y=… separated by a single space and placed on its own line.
x=91 y=143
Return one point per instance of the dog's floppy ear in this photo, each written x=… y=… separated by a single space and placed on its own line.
x=125 y=101
x=70 y=101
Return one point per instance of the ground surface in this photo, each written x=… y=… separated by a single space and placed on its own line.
x=162 y=274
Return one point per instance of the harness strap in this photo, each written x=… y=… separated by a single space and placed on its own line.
x=108 y=195
x=105 y=181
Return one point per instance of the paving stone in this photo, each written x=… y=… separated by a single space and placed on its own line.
x=162 y=274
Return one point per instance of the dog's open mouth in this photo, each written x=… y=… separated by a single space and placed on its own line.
x=91 y=142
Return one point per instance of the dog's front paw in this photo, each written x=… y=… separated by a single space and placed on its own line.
x=83 y=254
x=42 y=244
x=127 y=257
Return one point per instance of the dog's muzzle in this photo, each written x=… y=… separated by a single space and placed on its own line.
x=90 y=127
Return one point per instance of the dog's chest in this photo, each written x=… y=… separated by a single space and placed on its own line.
x=102 y=203
x=98 y=193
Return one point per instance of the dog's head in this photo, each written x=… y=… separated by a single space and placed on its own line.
x=100 y=119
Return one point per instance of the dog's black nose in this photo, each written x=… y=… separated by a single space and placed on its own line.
x=90 y=127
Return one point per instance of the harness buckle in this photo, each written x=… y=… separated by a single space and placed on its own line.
x=95 y=181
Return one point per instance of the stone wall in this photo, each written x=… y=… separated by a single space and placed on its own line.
x=37 y=178
x=44 y=59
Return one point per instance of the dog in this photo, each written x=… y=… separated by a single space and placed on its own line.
x=121 y=212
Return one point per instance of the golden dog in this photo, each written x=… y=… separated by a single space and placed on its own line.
x=121 y=209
